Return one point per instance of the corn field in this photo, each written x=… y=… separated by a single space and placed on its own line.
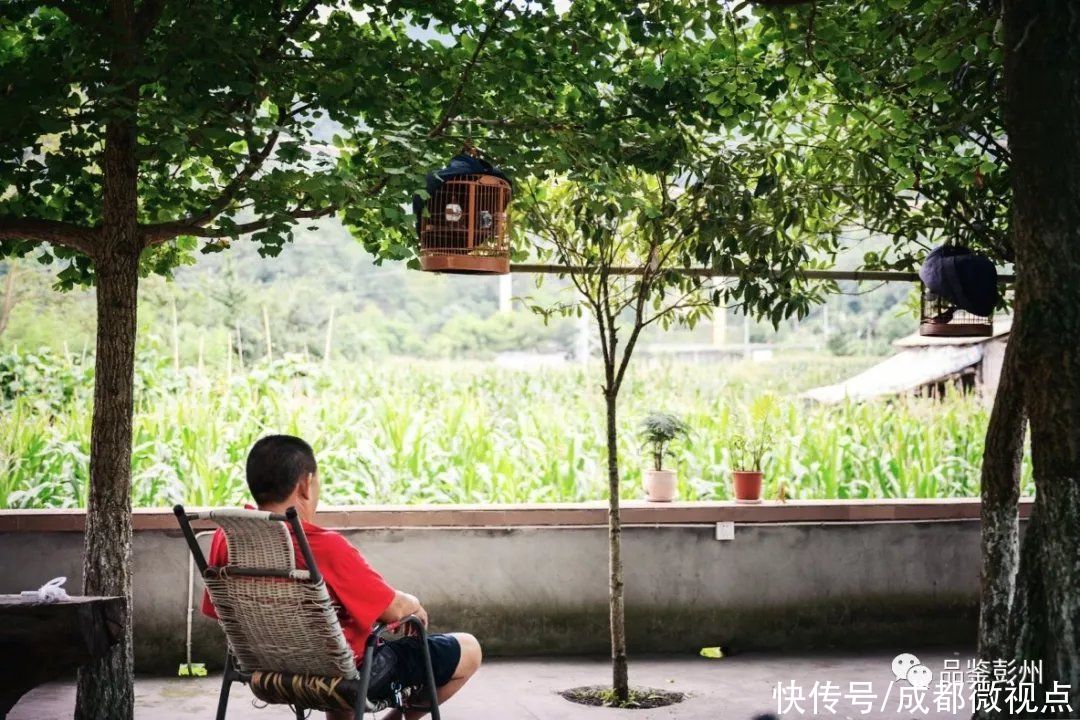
x=450 y=432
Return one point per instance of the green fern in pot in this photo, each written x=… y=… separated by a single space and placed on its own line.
x=660 y=431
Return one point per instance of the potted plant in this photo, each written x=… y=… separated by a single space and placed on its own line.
x=747 y=451
x=659 y=430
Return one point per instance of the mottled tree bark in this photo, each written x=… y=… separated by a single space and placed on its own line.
x=620 y=680
x=1002 y=460
x=1042 y=84
x=106 y=686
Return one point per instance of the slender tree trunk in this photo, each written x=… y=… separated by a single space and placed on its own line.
x=1042 y=86
x=106 y=687
x=619 y=671
x=1002 y=460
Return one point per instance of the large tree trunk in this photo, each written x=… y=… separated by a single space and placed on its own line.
x=107 y=687
x=1002 y=461
x=620 y=681
x=1042 y=84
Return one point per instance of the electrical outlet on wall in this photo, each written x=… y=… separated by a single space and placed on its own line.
x=725 y=531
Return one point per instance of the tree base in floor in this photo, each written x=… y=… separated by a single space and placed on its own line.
x=640 y=698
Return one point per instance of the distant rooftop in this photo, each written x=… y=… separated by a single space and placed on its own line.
x=920 y=362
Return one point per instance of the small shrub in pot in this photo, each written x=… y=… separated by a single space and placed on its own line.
x=659 y=431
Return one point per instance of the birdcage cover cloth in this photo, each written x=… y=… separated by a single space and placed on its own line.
x=964 y=278
x=460 y=166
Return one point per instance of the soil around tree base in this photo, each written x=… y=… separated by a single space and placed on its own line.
x=640 y=698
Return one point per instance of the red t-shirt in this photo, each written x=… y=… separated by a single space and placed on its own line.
x=359 y=593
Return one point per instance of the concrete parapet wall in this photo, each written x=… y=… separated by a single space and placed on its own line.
x=532 y=589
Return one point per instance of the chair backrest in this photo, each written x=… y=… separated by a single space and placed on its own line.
x=276 y=618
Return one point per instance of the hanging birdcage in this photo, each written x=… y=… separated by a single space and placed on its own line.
x=958 y=293
x=942 y=318
x=464 y=228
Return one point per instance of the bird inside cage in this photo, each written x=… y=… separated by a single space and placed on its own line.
x=448 y=218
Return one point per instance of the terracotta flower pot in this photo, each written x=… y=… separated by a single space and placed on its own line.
x=747 y=485
x=660 y=485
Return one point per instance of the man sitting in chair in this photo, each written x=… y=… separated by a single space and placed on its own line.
x=282 y=473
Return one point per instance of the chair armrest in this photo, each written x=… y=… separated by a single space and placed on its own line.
x=417 y=623
x=381 y=628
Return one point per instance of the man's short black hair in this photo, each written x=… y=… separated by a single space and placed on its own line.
x=276 y=465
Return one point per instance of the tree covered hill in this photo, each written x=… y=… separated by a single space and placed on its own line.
x=378 y=311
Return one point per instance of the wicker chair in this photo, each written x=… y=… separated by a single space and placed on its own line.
x=285 y=641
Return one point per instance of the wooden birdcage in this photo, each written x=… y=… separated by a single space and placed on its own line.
x=942 y=318
x=465 y=227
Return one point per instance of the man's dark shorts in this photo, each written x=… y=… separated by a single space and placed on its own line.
x=407 y=655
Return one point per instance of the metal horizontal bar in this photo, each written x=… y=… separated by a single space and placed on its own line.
x=810 y=274
x=258 y=572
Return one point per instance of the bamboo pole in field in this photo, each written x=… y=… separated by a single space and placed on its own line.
x=240 y=345
x=266 y=331
x=719 y=328
x=328 y=348
x=9 y=296
x=175 y=337
x=228 y=361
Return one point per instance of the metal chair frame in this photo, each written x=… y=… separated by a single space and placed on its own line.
x=233 y=673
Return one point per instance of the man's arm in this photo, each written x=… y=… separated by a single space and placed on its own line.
x=402 y=606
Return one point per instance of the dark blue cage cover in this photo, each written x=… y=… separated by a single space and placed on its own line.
x=962 y=277
x=460 y=166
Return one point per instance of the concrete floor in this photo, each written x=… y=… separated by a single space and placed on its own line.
x=735 y=688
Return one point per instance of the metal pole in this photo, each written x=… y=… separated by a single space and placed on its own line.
x=746 y=335
x=719 y=328
x=506 y=293
x=582 y=349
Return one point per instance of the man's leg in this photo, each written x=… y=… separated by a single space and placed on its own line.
x=471 y=656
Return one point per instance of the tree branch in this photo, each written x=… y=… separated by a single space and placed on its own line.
x=451 y=104
x=163 y=232
x=291 y=27
x=644 y=287
x=268 y=53
x=54 y=232
x=533 y=123
x=256 y=158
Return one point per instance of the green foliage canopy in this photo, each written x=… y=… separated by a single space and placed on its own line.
x=251 y=118
x=896 y=108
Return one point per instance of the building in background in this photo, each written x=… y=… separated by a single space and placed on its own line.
x=927 y=366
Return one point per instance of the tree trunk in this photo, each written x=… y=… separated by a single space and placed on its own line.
x=1002 y=461
x=107 y=687
x=1042 y=88
x=620 y=681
